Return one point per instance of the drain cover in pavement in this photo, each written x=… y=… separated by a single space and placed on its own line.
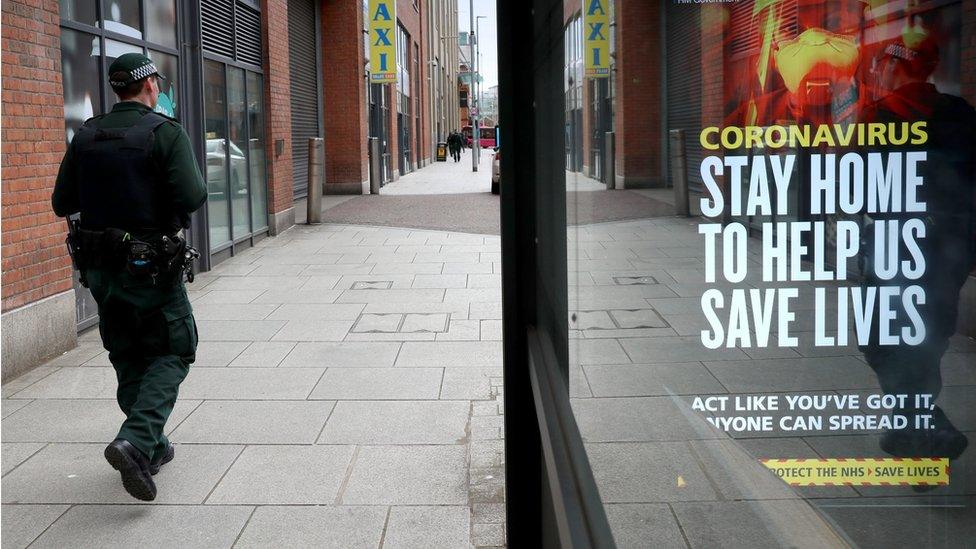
x=634 y=280
x=372 y=285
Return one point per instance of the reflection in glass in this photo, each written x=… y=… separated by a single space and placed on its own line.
x=256 y=151
x=237 y=125
x=215 y=128
x=79 y=73
x=161 y=21
x=80 y=11
x=122 y=16
x=113 y=49
x=680 y=387
x=169 y=67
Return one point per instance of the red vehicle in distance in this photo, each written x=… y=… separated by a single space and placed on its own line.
x=487 y=136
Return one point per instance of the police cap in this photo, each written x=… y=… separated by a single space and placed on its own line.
x=131 y=67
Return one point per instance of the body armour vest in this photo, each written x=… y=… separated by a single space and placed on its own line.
x=121 y=184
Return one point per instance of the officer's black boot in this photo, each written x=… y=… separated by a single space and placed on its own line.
x=134 y=468
x=167 y=457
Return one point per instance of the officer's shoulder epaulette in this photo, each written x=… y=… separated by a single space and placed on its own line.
x=94 y=118
x=167 y=117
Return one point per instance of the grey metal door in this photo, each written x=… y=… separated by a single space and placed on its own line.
x=304 y=75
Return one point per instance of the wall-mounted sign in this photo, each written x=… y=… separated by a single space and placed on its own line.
x=382 y=41
x=596 y=39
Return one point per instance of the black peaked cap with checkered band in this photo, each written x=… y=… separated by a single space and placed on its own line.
x=136 y=65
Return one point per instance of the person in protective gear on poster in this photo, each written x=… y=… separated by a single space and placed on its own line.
x=132 y=176
x=901 y=72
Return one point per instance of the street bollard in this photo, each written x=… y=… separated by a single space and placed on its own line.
x=316 y=179
x=375 y=166
x=609 y=161
x=679 y=175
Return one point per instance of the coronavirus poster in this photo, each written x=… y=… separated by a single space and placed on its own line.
x=837 y=197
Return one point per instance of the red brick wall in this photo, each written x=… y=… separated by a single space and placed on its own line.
x=274 y=24
x=463 y=111
x=571 y=8
x=34 y=261
x=409 y=17
x=637 y=102
x=346 y=122
x=714 y=19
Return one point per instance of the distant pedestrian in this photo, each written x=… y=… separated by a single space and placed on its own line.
x=454 y=144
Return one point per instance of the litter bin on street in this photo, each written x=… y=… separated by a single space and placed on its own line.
x=441 y=151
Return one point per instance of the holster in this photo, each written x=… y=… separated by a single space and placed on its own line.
x=114 y=250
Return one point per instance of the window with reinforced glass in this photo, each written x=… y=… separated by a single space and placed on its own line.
x=93 y=34
x=234 y=132
x=771 y=334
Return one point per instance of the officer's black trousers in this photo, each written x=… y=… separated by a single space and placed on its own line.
x=149 y=332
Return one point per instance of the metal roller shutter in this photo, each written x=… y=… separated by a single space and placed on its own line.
x=248 y=35
x=217 y=27
x=303 y=56
x=684 y=85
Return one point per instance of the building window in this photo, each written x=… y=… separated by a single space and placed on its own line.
x=86 y=53
x=236 y=166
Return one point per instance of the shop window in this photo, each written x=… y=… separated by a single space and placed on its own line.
x=218 y=152
x=256 y=151
x=123 y=17
x=82 y=87
x=80 y=11
x=87 y=52
x=782 y=363
x=161 y=21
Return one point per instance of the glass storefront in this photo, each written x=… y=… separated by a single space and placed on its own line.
x=792 y=364
x=403 y=102
x=93 y=34
x=236 y=166
x=573 y=87
x=234 y=131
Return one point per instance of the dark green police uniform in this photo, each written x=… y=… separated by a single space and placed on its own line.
x=146 y=323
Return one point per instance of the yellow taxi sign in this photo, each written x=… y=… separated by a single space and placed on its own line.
x=596 y=38
x=382 y=41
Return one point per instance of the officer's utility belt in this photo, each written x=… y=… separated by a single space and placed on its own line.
x=164 y=258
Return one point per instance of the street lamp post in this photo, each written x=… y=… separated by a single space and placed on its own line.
x=476 y=130
x=474 y=119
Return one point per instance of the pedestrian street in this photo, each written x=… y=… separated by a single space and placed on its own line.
x=346 y=393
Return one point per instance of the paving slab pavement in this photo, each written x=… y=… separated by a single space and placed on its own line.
x=669 y=479
x=341 y=398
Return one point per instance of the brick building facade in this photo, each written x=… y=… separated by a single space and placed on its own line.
x=43 y=306
x=36 y=267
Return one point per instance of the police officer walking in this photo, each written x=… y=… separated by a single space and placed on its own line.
x=132 y=176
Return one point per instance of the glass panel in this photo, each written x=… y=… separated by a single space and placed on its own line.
x=256 y=151
x=239 y=193
x=79 y=73
x=161 y=22
x=113 y=49
x=168 y=65
x=122 y=16
x=792 y=363
x=215 y=113
x=82 y=11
